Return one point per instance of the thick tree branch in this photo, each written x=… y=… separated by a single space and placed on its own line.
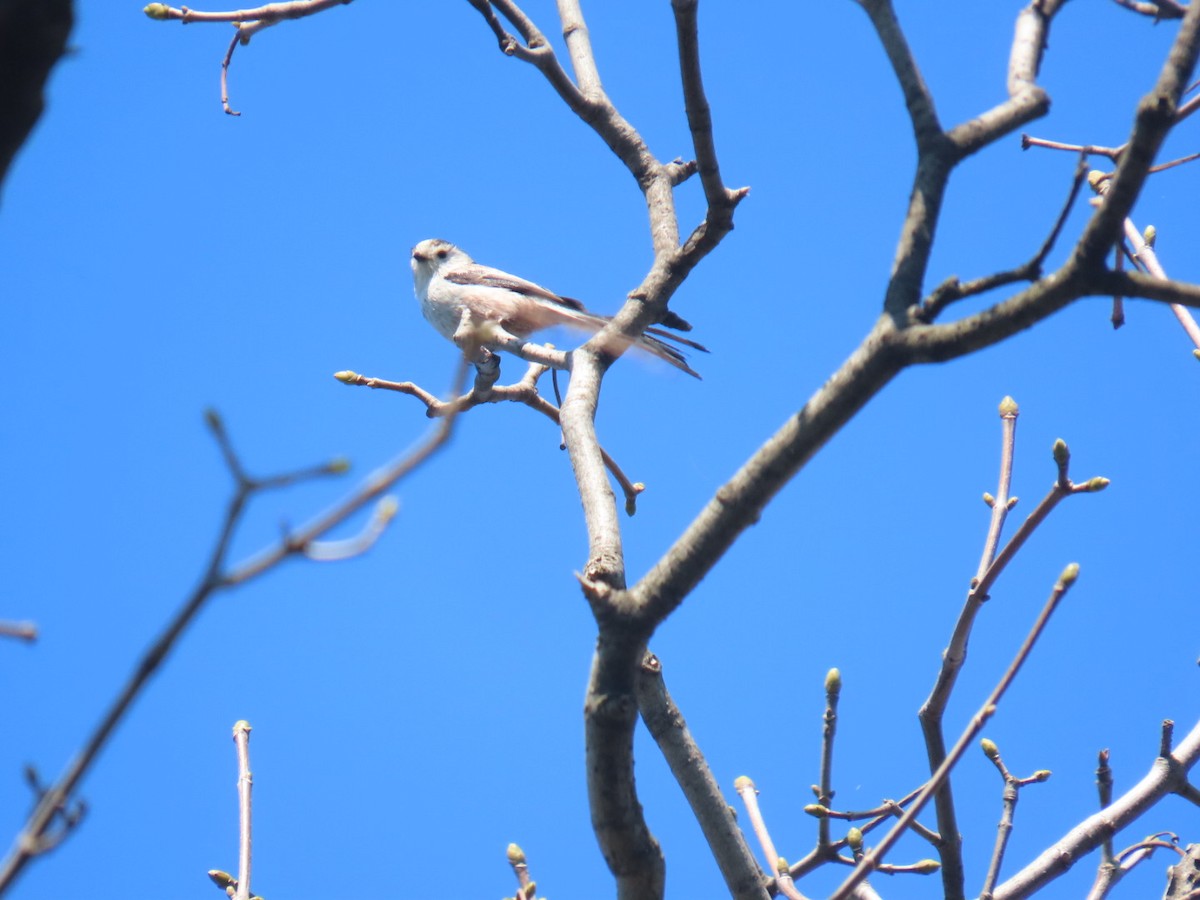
x=666 y=724
x=33 y=37
x=739 y=503
x=1167 y=775
x=1156 y=114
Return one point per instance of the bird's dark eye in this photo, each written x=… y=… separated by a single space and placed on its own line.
x=443 y=253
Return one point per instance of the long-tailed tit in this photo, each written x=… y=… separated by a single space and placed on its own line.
x=478 y=306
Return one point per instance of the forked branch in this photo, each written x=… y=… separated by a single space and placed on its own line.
x=218 y=575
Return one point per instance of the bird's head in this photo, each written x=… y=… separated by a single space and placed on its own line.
x=433 y=254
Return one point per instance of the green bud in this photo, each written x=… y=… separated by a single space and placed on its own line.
x=1098 y=483
x=926 y=866
x=1149 y=235
x=743 y=783
x=1008 y=407
x=833 y=683
x=854 y=838
x=158 y=11
x=222 y=879
x=990 y=750
x=346 y=376
x=516 y=856
x=387 y=508
x=988 y=500
x=816 y=810
x=1062 y=454
x=1069 y=574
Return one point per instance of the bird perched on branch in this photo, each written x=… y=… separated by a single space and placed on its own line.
x=475 y=305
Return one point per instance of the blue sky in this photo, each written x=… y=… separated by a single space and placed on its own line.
x=417 y=709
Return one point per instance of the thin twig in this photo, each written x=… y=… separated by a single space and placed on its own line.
x=1113 y=153
x=233 y=45
x=871 y=859
x=1111 y=871
x=245 y=785
x=25 y=631
x=1012 y=789
x=1104 y=785
x=1155 y=9
x=953 y=290
x=833 y=691
x=523 y=392
x=775 y=863
x=247 y=23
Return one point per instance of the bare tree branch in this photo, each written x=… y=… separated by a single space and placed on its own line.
x=25 y=631
x=870 y=860
x=33 y=37
x=245 y=787
x=247 y=22
x=216 y=578
x=667 y=726
x=1012 y=793
x=1155 y=9
x=1167 y=775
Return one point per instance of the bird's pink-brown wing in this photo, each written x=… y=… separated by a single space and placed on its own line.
x=548 y=309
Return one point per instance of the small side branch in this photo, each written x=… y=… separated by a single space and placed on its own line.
x=23 y=631
x=1142 y=253
x=1113 y=870
x=524 y=392
x=247 y=22
x=1168 y=774
x=783 y=879
x=1012 y=788
x=1155 y=9
x=952 y=290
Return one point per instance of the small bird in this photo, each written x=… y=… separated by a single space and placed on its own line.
x=460 y=297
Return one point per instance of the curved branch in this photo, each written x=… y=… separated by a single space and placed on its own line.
x=917 y=97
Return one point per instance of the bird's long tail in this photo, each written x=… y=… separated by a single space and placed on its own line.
x=653 y=341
